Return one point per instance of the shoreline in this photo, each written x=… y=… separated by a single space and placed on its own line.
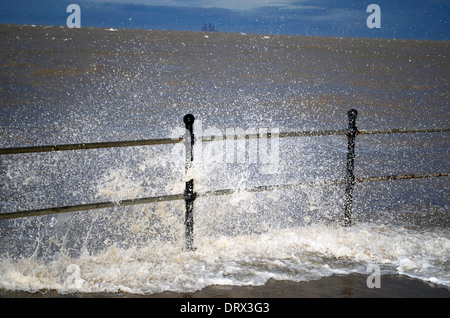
x=335 y=286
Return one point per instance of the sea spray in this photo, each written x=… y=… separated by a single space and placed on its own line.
x=298 y=254
x=136 y=84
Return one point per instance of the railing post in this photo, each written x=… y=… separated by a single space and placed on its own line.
x=189 y=194
x=352 y=131
x=189 y=139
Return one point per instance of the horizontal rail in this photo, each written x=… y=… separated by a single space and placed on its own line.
x=321 y=133
x=274 y=135
x=91 y=206
x=94 y=145
x=273 y=187
x=403 y=131
x=404 y=177
x=148 y=142
x=103 y=205
x=323 y=183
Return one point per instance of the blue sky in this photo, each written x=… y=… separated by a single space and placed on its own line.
x=410 y=19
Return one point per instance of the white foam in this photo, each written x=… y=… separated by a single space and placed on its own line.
x=298 y=254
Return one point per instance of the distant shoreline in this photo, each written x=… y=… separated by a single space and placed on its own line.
x=220 y=33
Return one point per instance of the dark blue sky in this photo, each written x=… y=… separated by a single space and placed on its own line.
x=410 y=19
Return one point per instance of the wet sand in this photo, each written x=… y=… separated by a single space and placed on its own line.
x=336 y=286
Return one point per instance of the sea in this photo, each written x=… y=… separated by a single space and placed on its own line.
x=88 y=85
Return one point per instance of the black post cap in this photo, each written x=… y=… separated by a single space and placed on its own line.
x=189 y=119
x=352 y=113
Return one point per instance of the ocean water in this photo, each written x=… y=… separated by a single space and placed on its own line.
x=60 y=86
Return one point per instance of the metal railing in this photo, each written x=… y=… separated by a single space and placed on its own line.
x=189 y=195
